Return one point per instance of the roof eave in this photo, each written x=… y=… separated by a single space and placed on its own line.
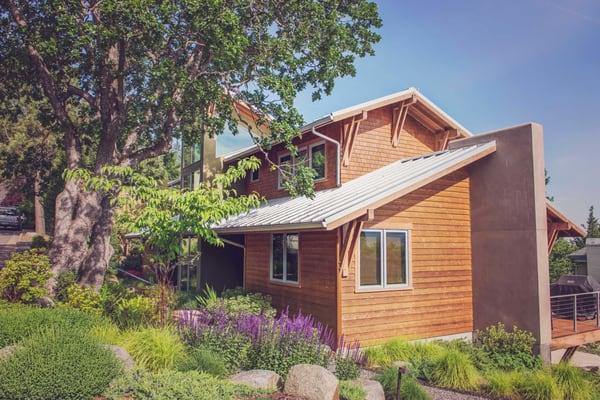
x=312 y=226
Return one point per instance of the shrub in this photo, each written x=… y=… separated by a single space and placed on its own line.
x=204 y=360
x=84 y=298
x=508 y=350
x=191 y=385
x=572 y=383
x=236 y=302
x=233 y=347
x=346 y=368
x=24 y=276
x=17 y=322
x=352 y=391
x=454 y=370
x=39 y=242
x=111 y=294
x=501 y=384
x=154 y=348
x=64 y=280
x=135 y=311
x=57 y=364
x=274 y=344
x=537 y=385
x=409 y=387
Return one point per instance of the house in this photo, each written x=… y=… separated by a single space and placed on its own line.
x=418 y=228
x=587 y=259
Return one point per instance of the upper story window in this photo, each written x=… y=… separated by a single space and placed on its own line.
x=254 y=175
x=285 y=257
x=312 y=156
x=227 y=142
x=191 y=153
x=383 y=259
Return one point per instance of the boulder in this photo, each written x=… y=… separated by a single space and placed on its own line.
x=259 y=379
x=8 y=351
x=373 y=388
x=122 y=355
x=312 y=382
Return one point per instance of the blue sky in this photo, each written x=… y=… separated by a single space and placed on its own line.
x=494 y=64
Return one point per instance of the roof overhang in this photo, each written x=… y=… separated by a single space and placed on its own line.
x=332 y=208
x=424 y=110
x=565 y=226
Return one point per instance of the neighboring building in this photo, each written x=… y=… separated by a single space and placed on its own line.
x=587 y=259
x=417 y=229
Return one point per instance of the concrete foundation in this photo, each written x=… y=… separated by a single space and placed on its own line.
x=509 y=233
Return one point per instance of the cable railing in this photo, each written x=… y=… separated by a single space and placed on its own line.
x=573 y=313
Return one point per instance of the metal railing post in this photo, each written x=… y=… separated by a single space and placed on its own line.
x=598 y=309
x=575 y=314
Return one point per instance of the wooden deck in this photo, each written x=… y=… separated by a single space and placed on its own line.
x=565 y=336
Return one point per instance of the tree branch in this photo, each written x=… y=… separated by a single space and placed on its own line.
x=71 y=137
x=82 y=94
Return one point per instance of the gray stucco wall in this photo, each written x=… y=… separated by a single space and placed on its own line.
x=509 y=233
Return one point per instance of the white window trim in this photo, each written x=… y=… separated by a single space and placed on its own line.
x=279 y=176
x=285 y=280
x=310 y=158
x=407 y=261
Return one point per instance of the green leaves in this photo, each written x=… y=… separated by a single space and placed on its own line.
x=161 y=215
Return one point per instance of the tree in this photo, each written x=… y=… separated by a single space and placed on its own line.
x=560 y=264
x=592 y=227
x=29 y=153
x=161 y=215
x=125 y=78
x=547 y=182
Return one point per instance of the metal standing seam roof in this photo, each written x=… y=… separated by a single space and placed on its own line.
x=371 y=190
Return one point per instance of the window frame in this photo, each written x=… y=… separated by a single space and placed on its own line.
x=283 y=281
x=310 y=158
x=257 y=175
x=383 y=263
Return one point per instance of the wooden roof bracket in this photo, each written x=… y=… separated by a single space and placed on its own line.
x=350 y=234
x=443 y=138
x=399 y=114
x=349 y=132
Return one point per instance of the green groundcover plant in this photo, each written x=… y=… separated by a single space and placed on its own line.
x=17 y=322
x=352 y=391
x=167 y=385
x=154 y=348
x=409 y=388
x=57 y=364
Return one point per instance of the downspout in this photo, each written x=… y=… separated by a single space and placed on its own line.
x=337 y=146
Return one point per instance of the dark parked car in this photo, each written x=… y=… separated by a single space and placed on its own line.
x=11 y=218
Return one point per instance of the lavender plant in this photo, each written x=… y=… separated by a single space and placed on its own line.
x=260 y=341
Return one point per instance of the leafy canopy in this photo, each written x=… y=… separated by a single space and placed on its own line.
x=126 y=77
x=162 y=214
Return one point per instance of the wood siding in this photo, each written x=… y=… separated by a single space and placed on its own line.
x=317 y=290
x=373 y=148
x=440 y=300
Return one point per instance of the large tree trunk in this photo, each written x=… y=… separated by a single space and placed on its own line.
x=76 y=214
x=96 y=262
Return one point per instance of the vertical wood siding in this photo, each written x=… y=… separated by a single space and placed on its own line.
x=440 y=301
x=316 y=294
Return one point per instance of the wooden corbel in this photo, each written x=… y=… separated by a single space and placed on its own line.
x=350 y=234
x=349 y=132
x=554 y=229
x=443 y=138
x=399 y=114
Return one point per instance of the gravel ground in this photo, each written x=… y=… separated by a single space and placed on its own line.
x=441 y=394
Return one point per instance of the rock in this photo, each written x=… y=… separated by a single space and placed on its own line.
x=122 y=355
x=259 y=379
x=8 y=351
x=373 y=388
x=312 y=382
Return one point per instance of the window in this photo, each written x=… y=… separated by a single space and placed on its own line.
x=383 y=259
x=313 y=157
x=228 y=142
x=191 y=153
x=285 y=257
x=317 y=160
x=254 y=175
